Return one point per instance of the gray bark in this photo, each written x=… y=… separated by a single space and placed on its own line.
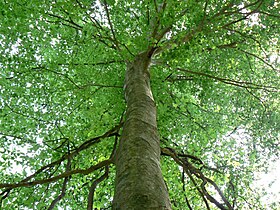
x=139 y=182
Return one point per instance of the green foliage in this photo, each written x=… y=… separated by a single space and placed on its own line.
x=215 y=79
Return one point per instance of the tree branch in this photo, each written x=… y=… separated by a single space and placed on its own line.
x=259 y=58
x=111 y=25
x=82 y=147
x=72 y=24
x=70 y=21
x=186 y=38
x=269 y=14
x=242 y=84
x=60 y=176
x=189 y=170
x=63 y=189
x=91 y=64
x=184 y=189
x=172 y=153
x=93 y=187
x=224 y=11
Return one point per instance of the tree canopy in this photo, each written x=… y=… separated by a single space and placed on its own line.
x=214 y=76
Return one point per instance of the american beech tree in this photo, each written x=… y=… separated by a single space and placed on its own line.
x=143 y=104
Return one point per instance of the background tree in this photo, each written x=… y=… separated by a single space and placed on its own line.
x=214 y=69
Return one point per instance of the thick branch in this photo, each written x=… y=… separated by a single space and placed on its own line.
x=82 y=147
x=63 y=189
x=184 y=39
x=93 y=187
x=91 y=64
x=189 y=170
x=171 y=153
x=58 y=177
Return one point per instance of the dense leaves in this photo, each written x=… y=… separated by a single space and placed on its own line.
x=215 y=79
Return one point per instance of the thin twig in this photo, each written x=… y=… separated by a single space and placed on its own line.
x=111 y=25
x=259 y=58
x=242 y=84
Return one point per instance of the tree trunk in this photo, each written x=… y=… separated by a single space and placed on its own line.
x=139 y=181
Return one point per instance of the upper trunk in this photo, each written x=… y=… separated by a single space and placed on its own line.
x=139 y=181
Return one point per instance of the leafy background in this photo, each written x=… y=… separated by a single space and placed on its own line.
x=62 y=73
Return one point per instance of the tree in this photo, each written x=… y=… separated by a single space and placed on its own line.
x=197 y=120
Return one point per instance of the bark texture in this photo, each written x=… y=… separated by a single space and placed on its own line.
x=139 y=181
